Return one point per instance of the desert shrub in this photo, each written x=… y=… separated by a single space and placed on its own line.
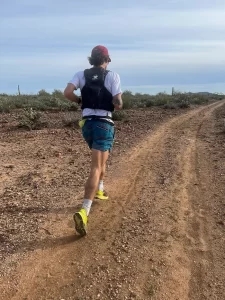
x=190 y=98
x=161 y=99
x=181 y=100
x=128 y=98
x=5 y=107
x=137 y=101
x=37 y=102
x=43 y=93
x=147 y=100
x=170 y=106
x=56 y=101
x=199 y=99
x=119 y=116
x=58 y=94
x=21 y=101
x=196 y=100
x=127 y=93
x=127 y=103
x=183 y=105
x=149 y=103
x=69 y=120
x=53 y=103
x=73 y=107
x=180 y=97
x=30 y=119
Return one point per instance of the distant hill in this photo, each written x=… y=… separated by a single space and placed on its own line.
x=211 y=95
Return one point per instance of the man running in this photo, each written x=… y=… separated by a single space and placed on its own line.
x=101 y=94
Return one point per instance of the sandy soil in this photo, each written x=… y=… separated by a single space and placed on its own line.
x=160 y=236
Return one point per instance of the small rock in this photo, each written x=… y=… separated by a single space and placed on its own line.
x=9 y=166
x=221 y=222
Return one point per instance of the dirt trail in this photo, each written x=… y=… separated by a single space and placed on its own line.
x=152 y=240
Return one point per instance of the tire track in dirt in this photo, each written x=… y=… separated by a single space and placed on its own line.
x=204 y=268
x=193 y=239
x=187 y=274
x=142 y=243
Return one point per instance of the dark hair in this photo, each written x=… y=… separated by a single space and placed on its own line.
x=98 y=60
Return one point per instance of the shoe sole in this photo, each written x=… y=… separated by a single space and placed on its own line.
x=99 y=197
x=79 y=224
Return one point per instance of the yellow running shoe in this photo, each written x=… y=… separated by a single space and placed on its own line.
x=80 y=220
x=102 y=195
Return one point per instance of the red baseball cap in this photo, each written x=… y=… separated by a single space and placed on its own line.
x=100 y=50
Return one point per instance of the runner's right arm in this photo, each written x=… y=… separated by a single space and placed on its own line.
x=73 y=85
x=69 y=93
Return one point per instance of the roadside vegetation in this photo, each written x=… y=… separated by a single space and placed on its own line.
x=43 y=101
x=31 y=106
x=177 y=100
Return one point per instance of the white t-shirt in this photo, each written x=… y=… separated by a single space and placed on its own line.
x=112 y=83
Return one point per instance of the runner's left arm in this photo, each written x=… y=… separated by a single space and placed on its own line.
x=116 y=92
x=117 y=101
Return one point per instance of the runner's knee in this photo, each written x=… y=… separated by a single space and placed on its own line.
x=96 y=170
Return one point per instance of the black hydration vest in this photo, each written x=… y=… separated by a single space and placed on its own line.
x=94 y=94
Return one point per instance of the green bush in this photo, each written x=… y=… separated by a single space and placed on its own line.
x=56 y=101
x=199 y=99
x=43 y=93
x=41 y=102
x=127 y=103
x=30 y=119
x=190 y=98
x=161 y=99
x=127 y=93
x=149 y=103
x=58 y=94
x=119 y=116
x=170 y=106
x=70 y=121
x=128 y=99
x=183 y=105
x=196 y=101
x=5 y=107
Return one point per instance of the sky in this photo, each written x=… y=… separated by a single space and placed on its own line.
x=154 y=45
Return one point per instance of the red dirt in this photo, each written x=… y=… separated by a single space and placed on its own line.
x=160 y=236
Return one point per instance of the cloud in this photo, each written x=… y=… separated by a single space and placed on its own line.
x=127 y=22
x=49 y=40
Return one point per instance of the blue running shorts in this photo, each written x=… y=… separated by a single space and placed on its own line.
x=99 y=135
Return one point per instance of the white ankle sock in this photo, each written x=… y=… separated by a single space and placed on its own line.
x=87 y=205
x=101 y=185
